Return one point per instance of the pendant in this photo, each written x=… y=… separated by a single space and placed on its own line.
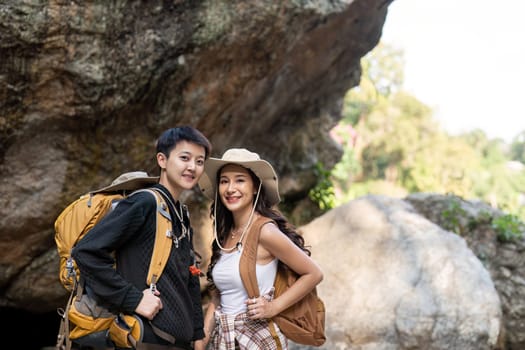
x=176 y=241
x=239 y=246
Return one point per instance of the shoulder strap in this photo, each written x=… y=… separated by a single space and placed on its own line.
x=247 y=266
x=63 y=340
x=163 y=242
x=249 y=257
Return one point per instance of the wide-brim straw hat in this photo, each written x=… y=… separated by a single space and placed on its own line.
x=129 y=182
x=250 y=160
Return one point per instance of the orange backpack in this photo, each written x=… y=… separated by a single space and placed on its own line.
x=82 y=320
x=304 y=321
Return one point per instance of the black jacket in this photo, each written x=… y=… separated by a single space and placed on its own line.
x=126 y=237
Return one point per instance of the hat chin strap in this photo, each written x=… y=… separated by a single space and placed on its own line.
x=239 y=243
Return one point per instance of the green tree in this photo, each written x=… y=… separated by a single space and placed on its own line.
x=517 y=148
x=392 y=145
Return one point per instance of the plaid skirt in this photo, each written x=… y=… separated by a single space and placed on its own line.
x=233 y=332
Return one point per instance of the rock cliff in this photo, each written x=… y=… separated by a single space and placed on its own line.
x=87 y=86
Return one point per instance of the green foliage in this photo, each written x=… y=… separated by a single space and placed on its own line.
x=341 y=174
x=392 y=145
x=354 y=109
x=508 y=227
x=384 y=69
x=452 y=217
x=483 y=218
x=517 y=148
x=323 y=193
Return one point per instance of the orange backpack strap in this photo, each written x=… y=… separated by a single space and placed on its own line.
x=163 y=241
x=161 y=251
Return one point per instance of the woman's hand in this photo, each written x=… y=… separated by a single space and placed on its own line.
x=259 y=308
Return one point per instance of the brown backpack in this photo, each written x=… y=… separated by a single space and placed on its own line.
x=304 y=321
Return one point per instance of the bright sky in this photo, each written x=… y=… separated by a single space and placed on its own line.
x=465 y=59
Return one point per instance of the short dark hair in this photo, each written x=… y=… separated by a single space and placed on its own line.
x=171 y=137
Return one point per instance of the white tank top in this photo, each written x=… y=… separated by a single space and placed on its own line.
x=227 y=279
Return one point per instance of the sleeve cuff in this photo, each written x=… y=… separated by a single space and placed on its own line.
x=198 y=334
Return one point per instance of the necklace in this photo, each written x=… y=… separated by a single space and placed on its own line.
x=236 y=232
x=180 y=216
x=238 y=245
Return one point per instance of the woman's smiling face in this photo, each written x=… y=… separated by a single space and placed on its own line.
x=236 y=187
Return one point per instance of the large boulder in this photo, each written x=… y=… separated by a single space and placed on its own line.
x=394 y=280
x=503 y=258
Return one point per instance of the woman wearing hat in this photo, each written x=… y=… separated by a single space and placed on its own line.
x=244 y=190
